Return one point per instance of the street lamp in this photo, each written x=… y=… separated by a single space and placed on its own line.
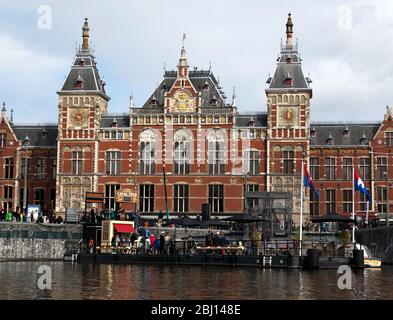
x=245 y=189
x=26 y=143
x=387 y=198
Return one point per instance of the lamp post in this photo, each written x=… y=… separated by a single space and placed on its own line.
x=245 y=190
x=387 y=198
x=26 y=143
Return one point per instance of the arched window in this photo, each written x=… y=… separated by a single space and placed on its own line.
x=216 y=152
x=182 y=151
x=147 y=152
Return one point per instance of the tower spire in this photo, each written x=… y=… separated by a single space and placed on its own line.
x=85 y=35
x=289 y=31
x=183 y=64
x=233 y=104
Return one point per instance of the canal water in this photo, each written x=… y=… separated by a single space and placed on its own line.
x=18 y=280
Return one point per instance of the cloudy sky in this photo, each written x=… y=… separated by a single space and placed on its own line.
x=346 y=47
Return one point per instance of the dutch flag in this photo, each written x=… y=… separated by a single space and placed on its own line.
x=359 y=185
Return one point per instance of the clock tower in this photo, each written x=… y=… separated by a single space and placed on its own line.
x=82 y=103
x=288 y=139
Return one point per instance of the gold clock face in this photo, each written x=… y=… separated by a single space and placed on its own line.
x=78 y=117
x=183 y=102
x=288 y=116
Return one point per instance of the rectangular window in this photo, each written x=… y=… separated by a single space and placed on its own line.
x=216 y=197
x=54 y=168
x=21 y=197
x=389 y=139
x=3 y=140
x=382 y=193
x=182 y=163
x=252 y=162
x=146 y=197
x=216 y=157
x=330 y=168
x=347 y=168
x=288 y=162
x=314 y=168
x=314 y=205
x=39 y=197
x=41 y=167
x=9 y=168
x=364 y=168
x=252 y=202
x=76 y=162
x=181 y=194
x=110 y=196
x=8 y=193
x=382 y=167
x=147 y=164
x=363 y=202
x=347 y=200
x=330 y=201
x=112 y=162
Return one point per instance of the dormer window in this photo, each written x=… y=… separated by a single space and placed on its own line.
x=346 y=132
x=153 y=101
x=330 y=140
x=251 y=123
x=214 y=100
x=82 y=62
x=44 y=133
x=363 y=140
x=313 y=132
x=288 y=81
x=79 y=82
x=206 y=86
x=115 y=123
x=288 y=59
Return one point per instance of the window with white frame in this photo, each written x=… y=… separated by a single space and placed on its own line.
x=41 y=168
x=146 y=197
x=347 y=168
x=364 y=168
x=216 y=197
x=252 y=162
x=77 y=162
x=347 y=200
x=314 y=168
x=330 y=201
x=9 y=168
x=330 y=168
x=112 y=162
x=181 y=197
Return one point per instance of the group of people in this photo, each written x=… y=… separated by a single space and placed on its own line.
x=47 y=216
x=145 y=242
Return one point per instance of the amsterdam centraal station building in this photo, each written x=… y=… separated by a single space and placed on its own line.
x=210 y=152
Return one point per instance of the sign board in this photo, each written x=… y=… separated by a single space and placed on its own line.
x=71 y=216
x=126 y=195
x=94 y=197
x=33 y=210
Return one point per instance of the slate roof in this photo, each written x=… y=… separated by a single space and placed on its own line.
x=40 y=135
x=198 y=79
x=123 y=120
x=88 y=72
x=243 y=120
x=351 y=134
x=292 y=69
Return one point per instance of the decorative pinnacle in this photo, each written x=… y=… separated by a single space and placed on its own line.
x=85 y=35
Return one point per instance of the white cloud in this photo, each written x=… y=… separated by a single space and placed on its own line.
x=29 y=80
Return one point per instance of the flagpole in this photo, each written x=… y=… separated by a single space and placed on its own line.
x=166 y=194
x=353 y=204
x=368 y=205
x=301 y=208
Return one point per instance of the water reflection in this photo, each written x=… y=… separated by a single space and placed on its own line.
x=18 y=280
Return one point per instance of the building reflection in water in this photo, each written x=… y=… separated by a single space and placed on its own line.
x=102 y=281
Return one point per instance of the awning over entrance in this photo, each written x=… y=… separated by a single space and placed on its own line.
x=123 y=228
